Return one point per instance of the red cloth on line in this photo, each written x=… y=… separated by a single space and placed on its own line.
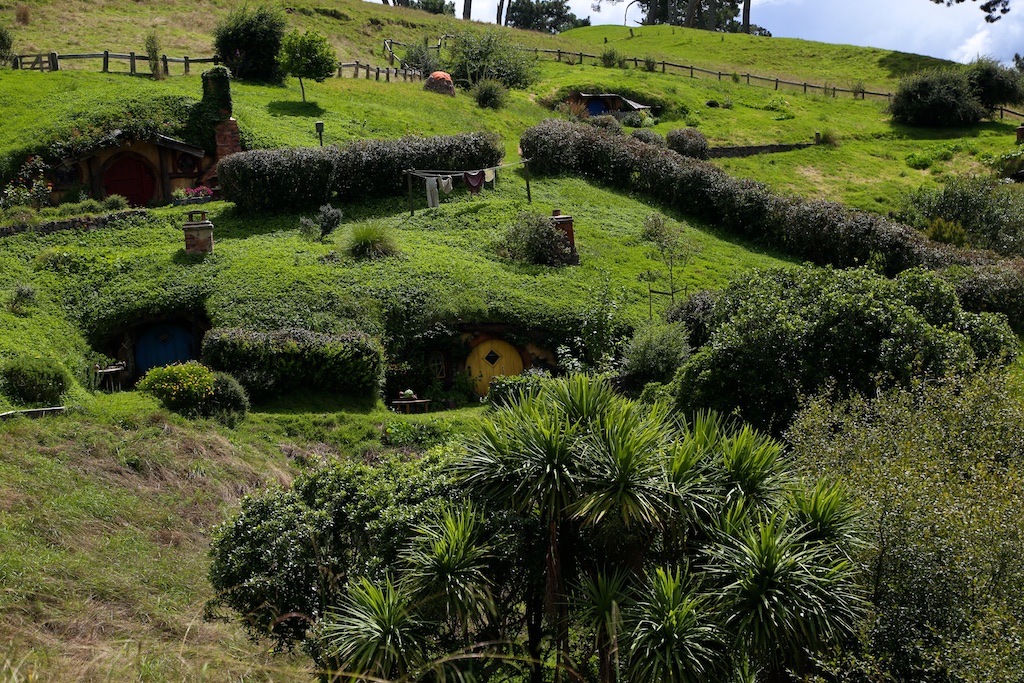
x=474 y=181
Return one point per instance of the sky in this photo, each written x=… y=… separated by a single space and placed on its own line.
x=959 y=33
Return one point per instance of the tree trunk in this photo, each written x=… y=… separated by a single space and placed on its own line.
x=501 y=8
x=467 y=9
x=303 y=90
x=534 y=634
x=691 y=13
x=712 y=15
x=386 y=2
x=746 y=16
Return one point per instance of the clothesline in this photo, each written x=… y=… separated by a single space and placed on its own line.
x=474 y=180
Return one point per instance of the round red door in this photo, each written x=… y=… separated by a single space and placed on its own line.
x=131 y=177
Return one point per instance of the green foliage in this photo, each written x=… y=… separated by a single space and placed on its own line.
x=6 y=46
x=654 y=354
x=421 y=57
x=371 y=240
x=546 y=16
x=490 y=94
x=995 y=84
x=1009 y=163
x=153 y=55
x=249 y=40
x=937 y=97
x=649 y=137
x=323 y=224
x=274 y=181
x=307 y=55
x=509 y=390
x=22 y=298
x=939 y=469
x=421 y=435
x=34 y=380
x=185 y=388
x=606 y=122
x=229 y=402
x=268 y=363
x=783 y=334
x=30 y=188
x=610 y=57
x=534 y=238
x=434 y=7
x=689 y=142
x=475 y=54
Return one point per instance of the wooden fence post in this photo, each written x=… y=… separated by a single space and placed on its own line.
x=635 y=64
x=186 y=65
x=663 y=66
x=131 y=62
x=106 y=61
x=387 y=75
x=776 y=84
x=581 y=58
x=805 y=88
x=54 y=62
x=378 y=73
x=748 y=79
x=559 y=55
x=526 y=172
x=167 y=71
x=367 y=72
x=356 y=74
x=691 y=71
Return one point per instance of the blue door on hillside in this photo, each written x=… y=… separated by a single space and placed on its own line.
x=163 y=344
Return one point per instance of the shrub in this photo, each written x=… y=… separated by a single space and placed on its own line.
x=533 y=238
x=648 y=136
x=490 y=94
x=370 y=240
x=633 y=119
x=185 y=388
x=229 y=401
x=476 y=54
x=610 y=57
x=654 y=354
x=307 y=55
x=323 y=224
x=508 y=390
x=290 y=360
x=34 y=380
x=697 y=314
x=784 y=334
x=995 y=84
x=650 y=63
x=1008 y=164
x=153 y=55
x=277 y=180
x=937 y=97
x=114 y=202
x=6 y=46
x=606 y=122
x=422 y=58
x=23 y=296
x=249 y=41
x=689 y=142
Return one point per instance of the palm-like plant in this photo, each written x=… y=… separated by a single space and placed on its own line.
x=783 y=596
x=672 y=638
x=447 y=561
x=752 y=466
x=601 y=601
x=374 y=634
x=829 y=513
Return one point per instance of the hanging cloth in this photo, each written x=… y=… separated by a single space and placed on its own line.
x=445 y=182
x=432 y=199
x=474 y=181
x=489 y=175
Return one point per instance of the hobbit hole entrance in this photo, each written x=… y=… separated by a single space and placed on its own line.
x=131 y=176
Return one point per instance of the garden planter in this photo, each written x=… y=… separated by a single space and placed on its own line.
x=198 y=233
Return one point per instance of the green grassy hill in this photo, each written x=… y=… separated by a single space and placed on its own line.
x=105 y=514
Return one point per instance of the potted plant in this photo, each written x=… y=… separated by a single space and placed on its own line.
x=191 y=195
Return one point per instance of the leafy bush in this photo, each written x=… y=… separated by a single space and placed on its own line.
x=533 y=238
x=405 y=433
x=370 y=240
x=114 y=202
x=323 y=224
x=937 y=97
x=185 y=388
x=476 y=54
x=654 y=354
x=490 y=94
x=1008 y=164
x=606 y=122
x=650 y=63
x=278 y=180
x=6 y=46
x=23 y=296
x=610 y=57
x=249 y=41
x=229 y=401
x=633 y=119
x=34 y=380
x=291 y=360
x=307 y=55
x=153 y=55
x=508 y=390
x=783 y=334
x=422 y=58
x=649 y=137
x=995 y=84
x=697 y=314
x=689 y=142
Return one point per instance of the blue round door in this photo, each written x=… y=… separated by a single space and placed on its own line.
x=163 y=344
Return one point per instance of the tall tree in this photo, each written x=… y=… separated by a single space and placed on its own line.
x=467 y=9
x=993 y=9
x=307 y=55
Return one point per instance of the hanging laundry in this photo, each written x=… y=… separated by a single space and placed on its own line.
x=489 y=175
x=474 y=181
x=432 y=199
x=445 y=182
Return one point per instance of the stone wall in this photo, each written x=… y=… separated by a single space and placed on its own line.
x=77 y=223
x=736 y=152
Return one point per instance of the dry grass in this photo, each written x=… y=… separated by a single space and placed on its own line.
x=22 y=15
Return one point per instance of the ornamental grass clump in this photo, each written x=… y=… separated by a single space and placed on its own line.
x=371 y=240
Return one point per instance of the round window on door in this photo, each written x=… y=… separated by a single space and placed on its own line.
x=492 y=358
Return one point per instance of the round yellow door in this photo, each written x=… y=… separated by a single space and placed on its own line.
x=492 y=358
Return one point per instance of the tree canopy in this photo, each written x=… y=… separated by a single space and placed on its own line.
x=307 y=55
x=993 y=9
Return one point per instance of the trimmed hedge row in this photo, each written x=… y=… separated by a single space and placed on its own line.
x=825 y=233
x=288 y=360
x=298 y=179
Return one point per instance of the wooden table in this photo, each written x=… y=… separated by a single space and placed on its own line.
x=407 y=404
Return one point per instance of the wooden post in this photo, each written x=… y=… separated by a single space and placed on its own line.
x=691 y=71
x=408 y=182
x=581 y=58
x=378 y=73
x=167 y=72
x=663 y=66
x=186 y=65
x=131 y=63
x=805 y=88
x=356 y=74
x=367 y=72
x=54 y=62
x=776 y=84
x=559 y=55
x=748 y=79
x=387 y=75
x=526 y=172
x=106 y=61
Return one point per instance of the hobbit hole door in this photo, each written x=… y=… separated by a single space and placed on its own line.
x=163 y=344
x=492 y=358
x=131 y=177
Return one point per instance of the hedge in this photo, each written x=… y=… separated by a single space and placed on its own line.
x=299 y=179
x=824 y=233
x=283 y=361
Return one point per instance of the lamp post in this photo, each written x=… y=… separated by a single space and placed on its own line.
x=320 y=131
